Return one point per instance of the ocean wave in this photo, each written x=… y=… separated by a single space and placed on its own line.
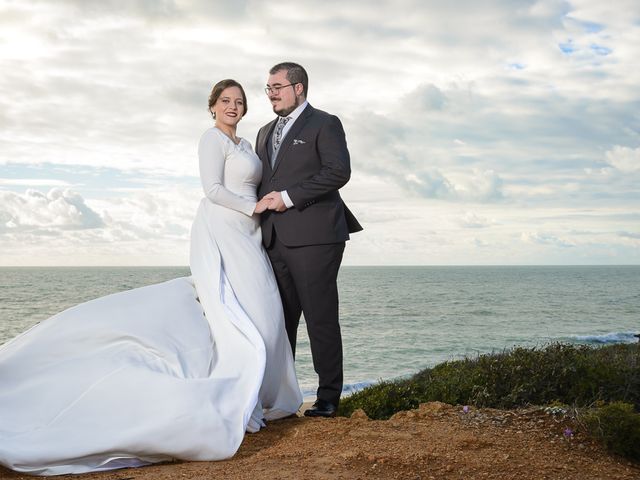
x=351 y=388
x=348 y=389
x=607 y=338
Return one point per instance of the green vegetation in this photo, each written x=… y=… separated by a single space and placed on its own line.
x=617 y=426
x=580 y=376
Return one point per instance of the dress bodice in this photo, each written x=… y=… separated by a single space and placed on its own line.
x=230 y=172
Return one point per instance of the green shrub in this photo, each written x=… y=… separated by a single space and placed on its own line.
x=616 y=425
x=569 y=374
x=386 y=398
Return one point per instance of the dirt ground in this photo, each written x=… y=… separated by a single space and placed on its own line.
x=436 y=441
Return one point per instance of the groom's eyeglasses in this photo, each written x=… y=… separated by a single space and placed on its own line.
x=276 y=90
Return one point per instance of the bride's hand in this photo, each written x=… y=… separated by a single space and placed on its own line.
x=262 y=205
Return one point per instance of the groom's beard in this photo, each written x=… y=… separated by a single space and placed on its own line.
x=287 y=110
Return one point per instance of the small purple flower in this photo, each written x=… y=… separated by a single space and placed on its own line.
x=568 y=433
x=465 y=409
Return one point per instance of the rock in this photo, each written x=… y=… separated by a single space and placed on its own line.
x=398 y=416
x=433 y=407
x=359 y=414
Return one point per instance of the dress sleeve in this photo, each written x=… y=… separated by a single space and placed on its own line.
x=212 y=157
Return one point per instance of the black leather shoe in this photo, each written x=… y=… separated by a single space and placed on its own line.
x=321 y=408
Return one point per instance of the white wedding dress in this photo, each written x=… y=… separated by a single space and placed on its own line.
x=177 y=370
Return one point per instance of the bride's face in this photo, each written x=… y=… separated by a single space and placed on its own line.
x=229 y=107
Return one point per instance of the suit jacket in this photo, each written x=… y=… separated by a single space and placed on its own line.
x=312 y=164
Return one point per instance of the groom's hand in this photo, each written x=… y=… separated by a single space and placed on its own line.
x=277 y=203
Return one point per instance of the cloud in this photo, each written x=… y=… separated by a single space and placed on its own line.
x=36 y=211
x=143 y=215
x=34 y=182
x=624 y=159
x=630 y=235
x=149 y=227
x=152 y=214
x=419 y=168
x=546 y=239
x=430 y=97
x=474 y=186
x=472 y=220
x=428 y=184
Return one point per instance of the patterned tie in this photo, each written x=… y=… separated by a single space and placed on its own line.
x=277 y=137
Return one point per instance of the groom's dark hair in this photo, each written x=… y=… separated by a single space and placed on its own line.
x=295 y=74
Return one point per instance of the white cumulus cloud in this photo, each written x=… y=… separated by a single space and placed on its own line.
x=59 y=209
x=625 y=159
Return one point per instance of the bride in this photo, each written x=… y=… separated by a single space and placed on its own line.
x=180 y=369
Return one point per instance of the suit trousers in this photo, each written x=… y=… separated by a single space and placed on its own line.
x=307 y=279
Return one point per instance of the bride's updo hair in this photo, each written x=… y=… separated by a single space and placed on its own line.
x=219 y=87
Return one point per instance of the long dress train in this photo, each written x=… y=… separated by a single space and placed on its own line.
x=179 y=369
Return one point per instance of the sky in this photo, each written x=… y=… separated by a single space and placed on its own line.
x=480 y=133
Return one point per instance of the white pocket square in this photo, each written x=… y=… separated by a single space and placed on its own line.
x=298 y=142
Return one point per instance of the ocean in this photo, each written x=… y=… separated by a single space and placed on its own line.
x=395 y=320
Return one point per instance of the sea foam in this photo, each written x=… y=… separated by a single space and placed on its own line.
x=607 y=338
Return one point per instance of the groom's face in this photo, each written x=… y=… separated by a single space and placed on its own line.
x=285 y=100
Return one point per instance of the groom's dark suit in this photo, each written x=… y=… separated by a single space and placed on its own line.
x=306 y=242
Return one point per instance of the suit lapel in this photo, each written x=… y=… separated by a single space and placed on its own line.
x=292 y=134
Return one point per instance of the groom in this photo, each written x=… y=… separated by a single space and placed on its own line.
x=305 y=161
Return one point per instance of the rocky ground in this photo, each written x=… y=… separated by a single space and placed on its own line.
x=436 y=441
